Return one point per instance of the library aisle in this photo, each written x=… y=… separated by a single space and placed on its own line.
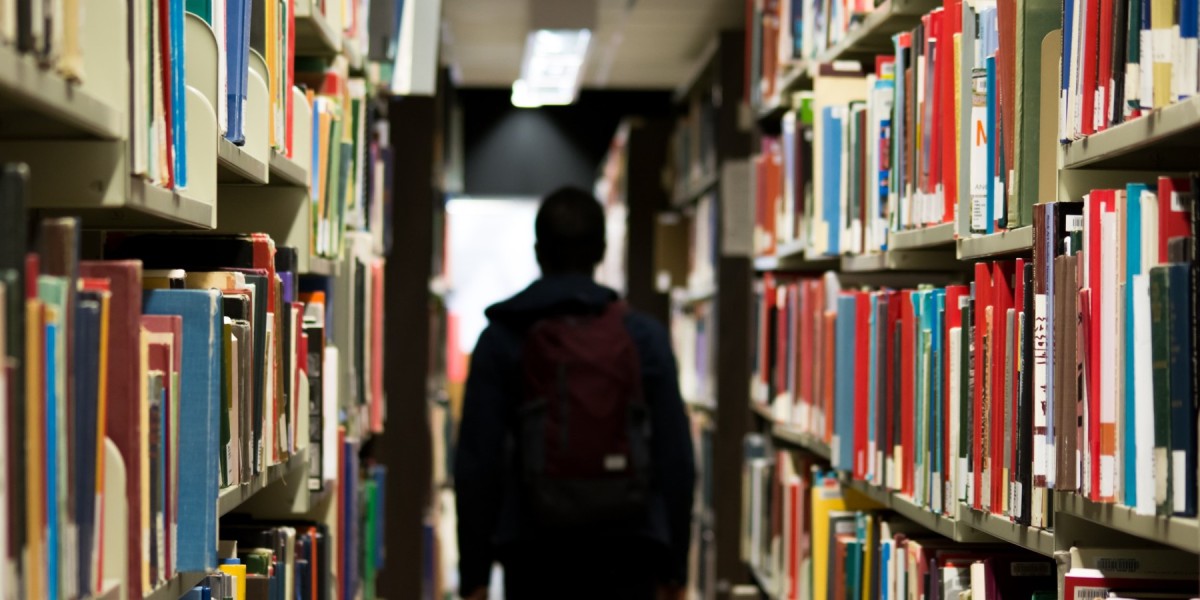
x=929 y=271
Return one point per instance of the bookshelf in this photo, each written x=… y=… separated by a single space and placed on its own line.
x=920 y=239
x=184 y=207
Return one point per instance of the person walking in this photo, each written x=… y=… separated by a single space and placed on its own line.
x=574 y=466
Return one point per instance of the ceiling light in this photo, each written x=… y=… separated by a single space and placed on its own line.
x=552 y=67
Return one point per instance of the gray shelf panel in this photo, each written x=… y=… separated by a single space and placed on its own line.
x=314 y=35
x=766 y=583
x=176 y=587
x=232 y=497
x=235 y=165
x=318 y=265
x=1040 y=541
x=1013 y=241
x=694 y=188
x=938 y=523
x=1164 y=140
x=874 y=34
x=926 y=237
x=285 y=171
x=806 y=441
x=39 y=103
x=1179 y=532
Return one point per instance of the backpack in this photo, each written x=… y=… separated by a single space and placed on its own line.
x=583 y=426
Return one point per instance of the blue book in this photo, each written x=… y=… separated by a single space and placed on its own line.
x=196 y=593
x=178 y=95
x=314 y=171
x=87 y=388
x=1179 y=368
x=991 y=145
x=1068 y=22
x=844 y=382
x=199 y=406
x=832 y=146
x=1189 y=11
x=1133 y=266
x=237 y=66
x=52 y=463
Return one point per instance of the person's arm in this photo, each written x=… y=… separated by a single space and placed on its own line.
x=478 y=464
x=674 y=459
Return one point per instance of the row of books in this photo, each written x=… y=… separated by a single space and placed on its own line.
x=868 y=152
x=808 y=536
x=1065 y=372
x=200 y=356
x=1121 y=59
x=49 y=32
x=694 y=143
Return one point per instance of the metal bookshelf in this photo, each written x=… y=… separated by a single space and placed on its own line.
x=235 y=165
x=1040 y=541
x=1179 y=532
x=1163 y=140
x=1013 y=241
x=232 y=497
x=926 y=237
x=40 y=102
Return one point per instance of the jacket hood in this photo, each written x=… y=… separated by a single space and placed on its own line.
x=557 y=294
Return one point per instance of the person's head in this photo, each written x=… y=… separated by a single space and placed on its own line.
x=570 y=233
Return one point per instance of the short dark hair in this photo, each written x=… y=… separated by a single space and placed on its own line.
x=570 y=231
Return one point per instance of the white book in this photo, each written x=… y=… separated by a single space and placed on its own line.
x=786 y=227
x=956 y=478
x=1108 y=351
x=1041 y=371
x=1141 y=349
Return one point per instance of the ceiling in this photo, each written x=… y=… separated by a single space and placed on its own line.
x=637 y=44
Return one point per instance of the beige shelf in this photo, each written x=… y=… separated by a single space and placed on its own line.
x=111 y=589
x=1163 y=140
x=1179 y=532
x=38 y=103
x=286 y=171
x=1013 y=241
x=176 y=587
x=789 y=256
x=766 y=584
x=318 y=265
x=314 y=35
x=1040 y=541
x=865 y=262
x=874 y=34
x=234 y=496
x=806 y=441
x=694 y=188
x=937 y=523
x=902 y=261
x=235 y=165
x=926 y=237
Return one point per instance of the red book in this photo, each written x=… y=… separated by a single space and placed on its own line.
x=830 y=330
x=934 y=51
x=1006 y=82
x=1103 y=108
x=164 y=36
x=782 y=325
x=983 y=301
x=1002 y=300
x=768 y=309
x=907 y=383
x=1174 y=204
x=952 y=24
x=124 y=390
x=889 y=418
x=168 y=358
x=862 y=358
x=1096 y=204
x=805 y=351
x=1091 y=54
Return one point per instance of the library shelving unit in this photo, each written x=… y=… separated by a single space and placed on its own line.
x=1037 y=222
x=72 y=113
x=701 y=251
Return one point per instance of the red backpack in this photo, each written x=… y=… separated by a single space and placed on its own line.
x=584 y=430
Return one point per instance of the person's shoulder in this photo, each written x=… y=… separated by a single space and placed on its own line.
x=645 y=329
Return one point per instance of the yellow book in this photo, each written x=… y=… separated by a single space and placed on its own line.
x=827 y=497
x=1162 y=32
x=34 y=498
x=101 y=434
x=870 y=545
x=272 y=58
x=144 y=459
x=162 y=279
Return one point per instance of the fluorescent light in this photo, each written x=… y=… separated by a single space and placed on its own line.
x=551 y=68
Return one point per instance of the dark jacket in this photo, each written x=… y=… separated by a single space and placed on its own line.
x=490 y=517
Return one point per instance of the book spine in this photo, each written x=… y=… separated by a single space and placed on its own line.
x=1182 y=416
x=1160 y=368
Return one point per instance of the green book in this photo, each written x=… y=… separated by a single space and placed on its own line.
x=201 y=8
x=227 y=380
